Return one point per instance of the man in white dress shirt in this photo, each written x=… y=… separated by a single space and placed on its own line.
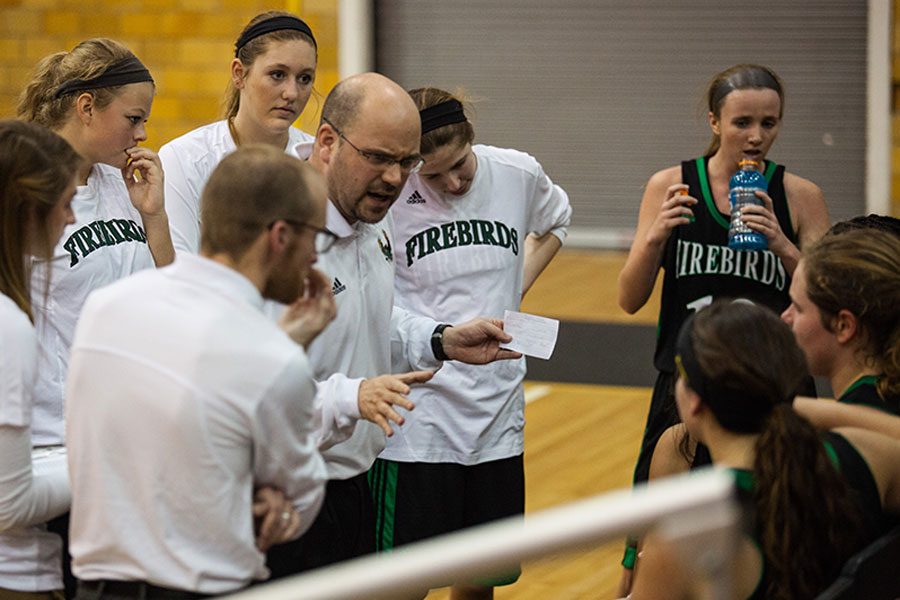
x=366 y=146
x=184 y=399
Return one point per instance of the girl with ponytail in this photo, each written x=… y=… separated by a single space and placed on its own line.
x=844 y=315
x=812 y=501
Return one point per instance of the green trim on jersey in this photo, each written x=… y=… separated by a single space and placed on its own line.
x=707 y=194
x=832 y=455
x=383 y=483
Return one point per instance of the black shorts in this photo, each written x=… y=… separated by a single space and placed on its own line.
x=416 y=501
x=342 y=530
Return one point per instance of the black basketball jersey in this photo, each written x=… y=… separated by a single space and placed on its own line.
x=700 y=267
x=864 y=392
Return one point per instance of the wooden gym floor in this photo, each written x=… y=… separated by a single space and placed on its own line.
x=581 y=439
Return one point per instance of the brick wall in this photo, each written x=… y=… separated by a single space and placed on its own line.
x=186 y=44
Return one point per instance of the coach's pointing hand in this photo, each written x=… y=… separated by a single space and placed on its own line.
x=477 y=342
x=378 y=395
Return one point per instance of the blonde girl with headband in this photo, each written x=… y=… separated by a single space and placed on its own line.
x=472 y=231
x=37 y=181
x=98 y=98
x=272 y=77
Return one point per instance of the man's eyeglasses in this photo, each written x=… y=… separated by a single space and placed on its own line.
x=409 y=164
x=324 y=238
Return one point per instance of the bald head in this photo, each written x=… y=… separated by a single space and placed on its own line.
x=370 y=126
x=365 y=96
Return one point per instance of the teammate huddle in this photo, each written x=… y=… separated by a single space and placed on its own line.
x=319 y=375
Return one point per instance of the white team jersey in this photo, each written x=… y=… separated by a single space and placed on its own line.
x=459 y=258
x=106 y=243
x=188 y=161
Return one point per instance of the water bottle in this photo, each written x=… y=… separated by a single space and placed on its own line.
x=741 y=190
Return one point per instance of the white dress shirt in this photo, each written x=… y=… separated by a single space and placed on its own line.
x=182 y=397
x=369 y=337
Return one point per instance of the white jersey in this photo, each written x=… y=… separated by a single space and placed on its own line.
x=106 y=243
x=184 y=397
x=458 y=258
x=188 y=161
x=32 y=489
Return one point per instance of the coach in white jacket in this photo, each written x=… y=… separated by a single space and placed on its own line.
x=366 y=146
x=184 y=397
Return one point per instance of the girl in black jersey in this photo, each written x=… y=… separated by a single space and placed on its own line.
x=683 y=228
x=844 y=315
x=683 y=223
x=811 y=501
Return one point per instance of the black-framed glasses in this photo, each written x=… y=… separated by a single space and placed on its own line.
x=324 y=239
x=409 y=164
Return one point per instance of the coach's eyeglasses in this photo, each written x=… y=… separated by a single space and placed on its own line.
x=324 y=239
x=408 y=164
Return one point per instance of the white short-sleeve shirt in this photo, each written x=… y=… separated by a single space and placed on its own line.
x=458 y=258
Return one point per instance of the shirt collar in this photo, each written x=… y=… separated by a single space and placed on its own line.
x=336 y=223
x=303 y=150
x=217 y=276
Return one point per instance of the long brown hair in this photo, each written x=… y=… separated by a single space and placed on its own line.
x=90 y=58
x=739 y=77
x=859 y=271
x=36 y=167
x=750 y=369
x=256 y=47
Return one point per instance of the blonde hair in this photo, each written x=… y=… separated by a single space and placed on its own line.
x=87 y=60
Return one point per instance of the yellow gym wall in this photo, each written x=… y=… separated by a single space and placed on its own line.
x=186 y=44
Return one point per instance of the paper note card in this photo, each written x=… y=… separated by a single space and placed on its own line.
x=531 y=335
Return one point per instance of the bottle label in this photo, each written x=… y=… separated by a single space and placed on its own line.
x=741 y=197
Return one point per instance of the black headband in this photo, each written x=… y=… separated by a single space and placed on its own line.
x=279 y=23
x=445 y=113
x=129 y=70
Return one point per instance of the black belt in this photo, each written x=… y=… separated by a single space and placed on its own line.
x=136 y=589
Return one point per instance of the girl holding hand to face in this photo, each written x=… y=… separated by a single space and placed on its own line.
x=97 y=97
x=272 y=78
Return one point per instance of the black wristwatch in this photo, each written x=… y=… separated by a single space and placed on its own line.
x=437 y=341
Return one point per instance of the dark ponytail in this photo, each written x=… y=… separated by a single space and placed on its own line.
x=807 y=521
x=745 y=365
